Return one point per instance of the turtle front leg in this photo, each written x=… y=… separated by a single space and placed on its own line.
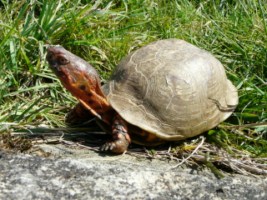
x=120 y=137
x=78 y=116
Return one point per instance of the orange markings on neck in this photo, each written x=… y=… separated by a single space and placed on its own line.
x=87 y=89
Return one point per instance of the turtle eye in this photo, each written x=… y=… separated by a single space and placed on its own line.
x=62 y=60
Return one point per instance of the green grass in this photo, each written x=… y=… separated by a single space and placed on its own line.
x=103 y=32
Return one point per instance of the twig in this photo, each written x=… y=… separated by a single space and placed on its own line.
x=247 y=125
x=187 y=158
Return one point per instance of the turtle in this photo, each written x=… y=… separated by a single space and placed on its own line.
x=167 y=90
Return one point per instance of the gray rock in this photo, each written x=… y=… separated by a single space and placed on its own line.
x=82 y=174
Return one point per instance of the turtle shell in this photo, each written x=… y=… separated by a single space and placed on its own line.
x=171 y=89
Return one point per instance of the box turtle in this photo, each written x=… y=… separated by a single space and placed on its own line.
x=168 y=90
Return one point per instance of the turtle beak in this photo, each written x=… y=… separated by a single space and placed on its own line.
x=52 y=53
x=51 y=56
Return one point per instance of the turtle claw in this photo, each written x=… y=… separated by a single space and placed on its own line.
x=109 y=146
x=117 y=146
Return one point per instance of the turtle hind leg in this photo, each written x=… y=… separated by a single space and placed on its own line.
x=79 y=116
x=120 y=137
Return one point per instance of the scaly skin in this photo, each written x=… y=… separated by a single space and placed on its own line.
x=120 y=137
x=82 y=80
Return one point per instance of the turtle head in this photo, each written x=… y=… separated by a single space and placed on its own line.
x=71 y=69
x=79 y=77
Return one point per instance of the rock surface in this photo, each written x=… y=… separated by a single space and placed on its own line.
x=83 y=174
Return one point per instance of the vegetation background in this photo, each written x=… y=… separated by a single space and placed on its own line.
x=102 y=32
